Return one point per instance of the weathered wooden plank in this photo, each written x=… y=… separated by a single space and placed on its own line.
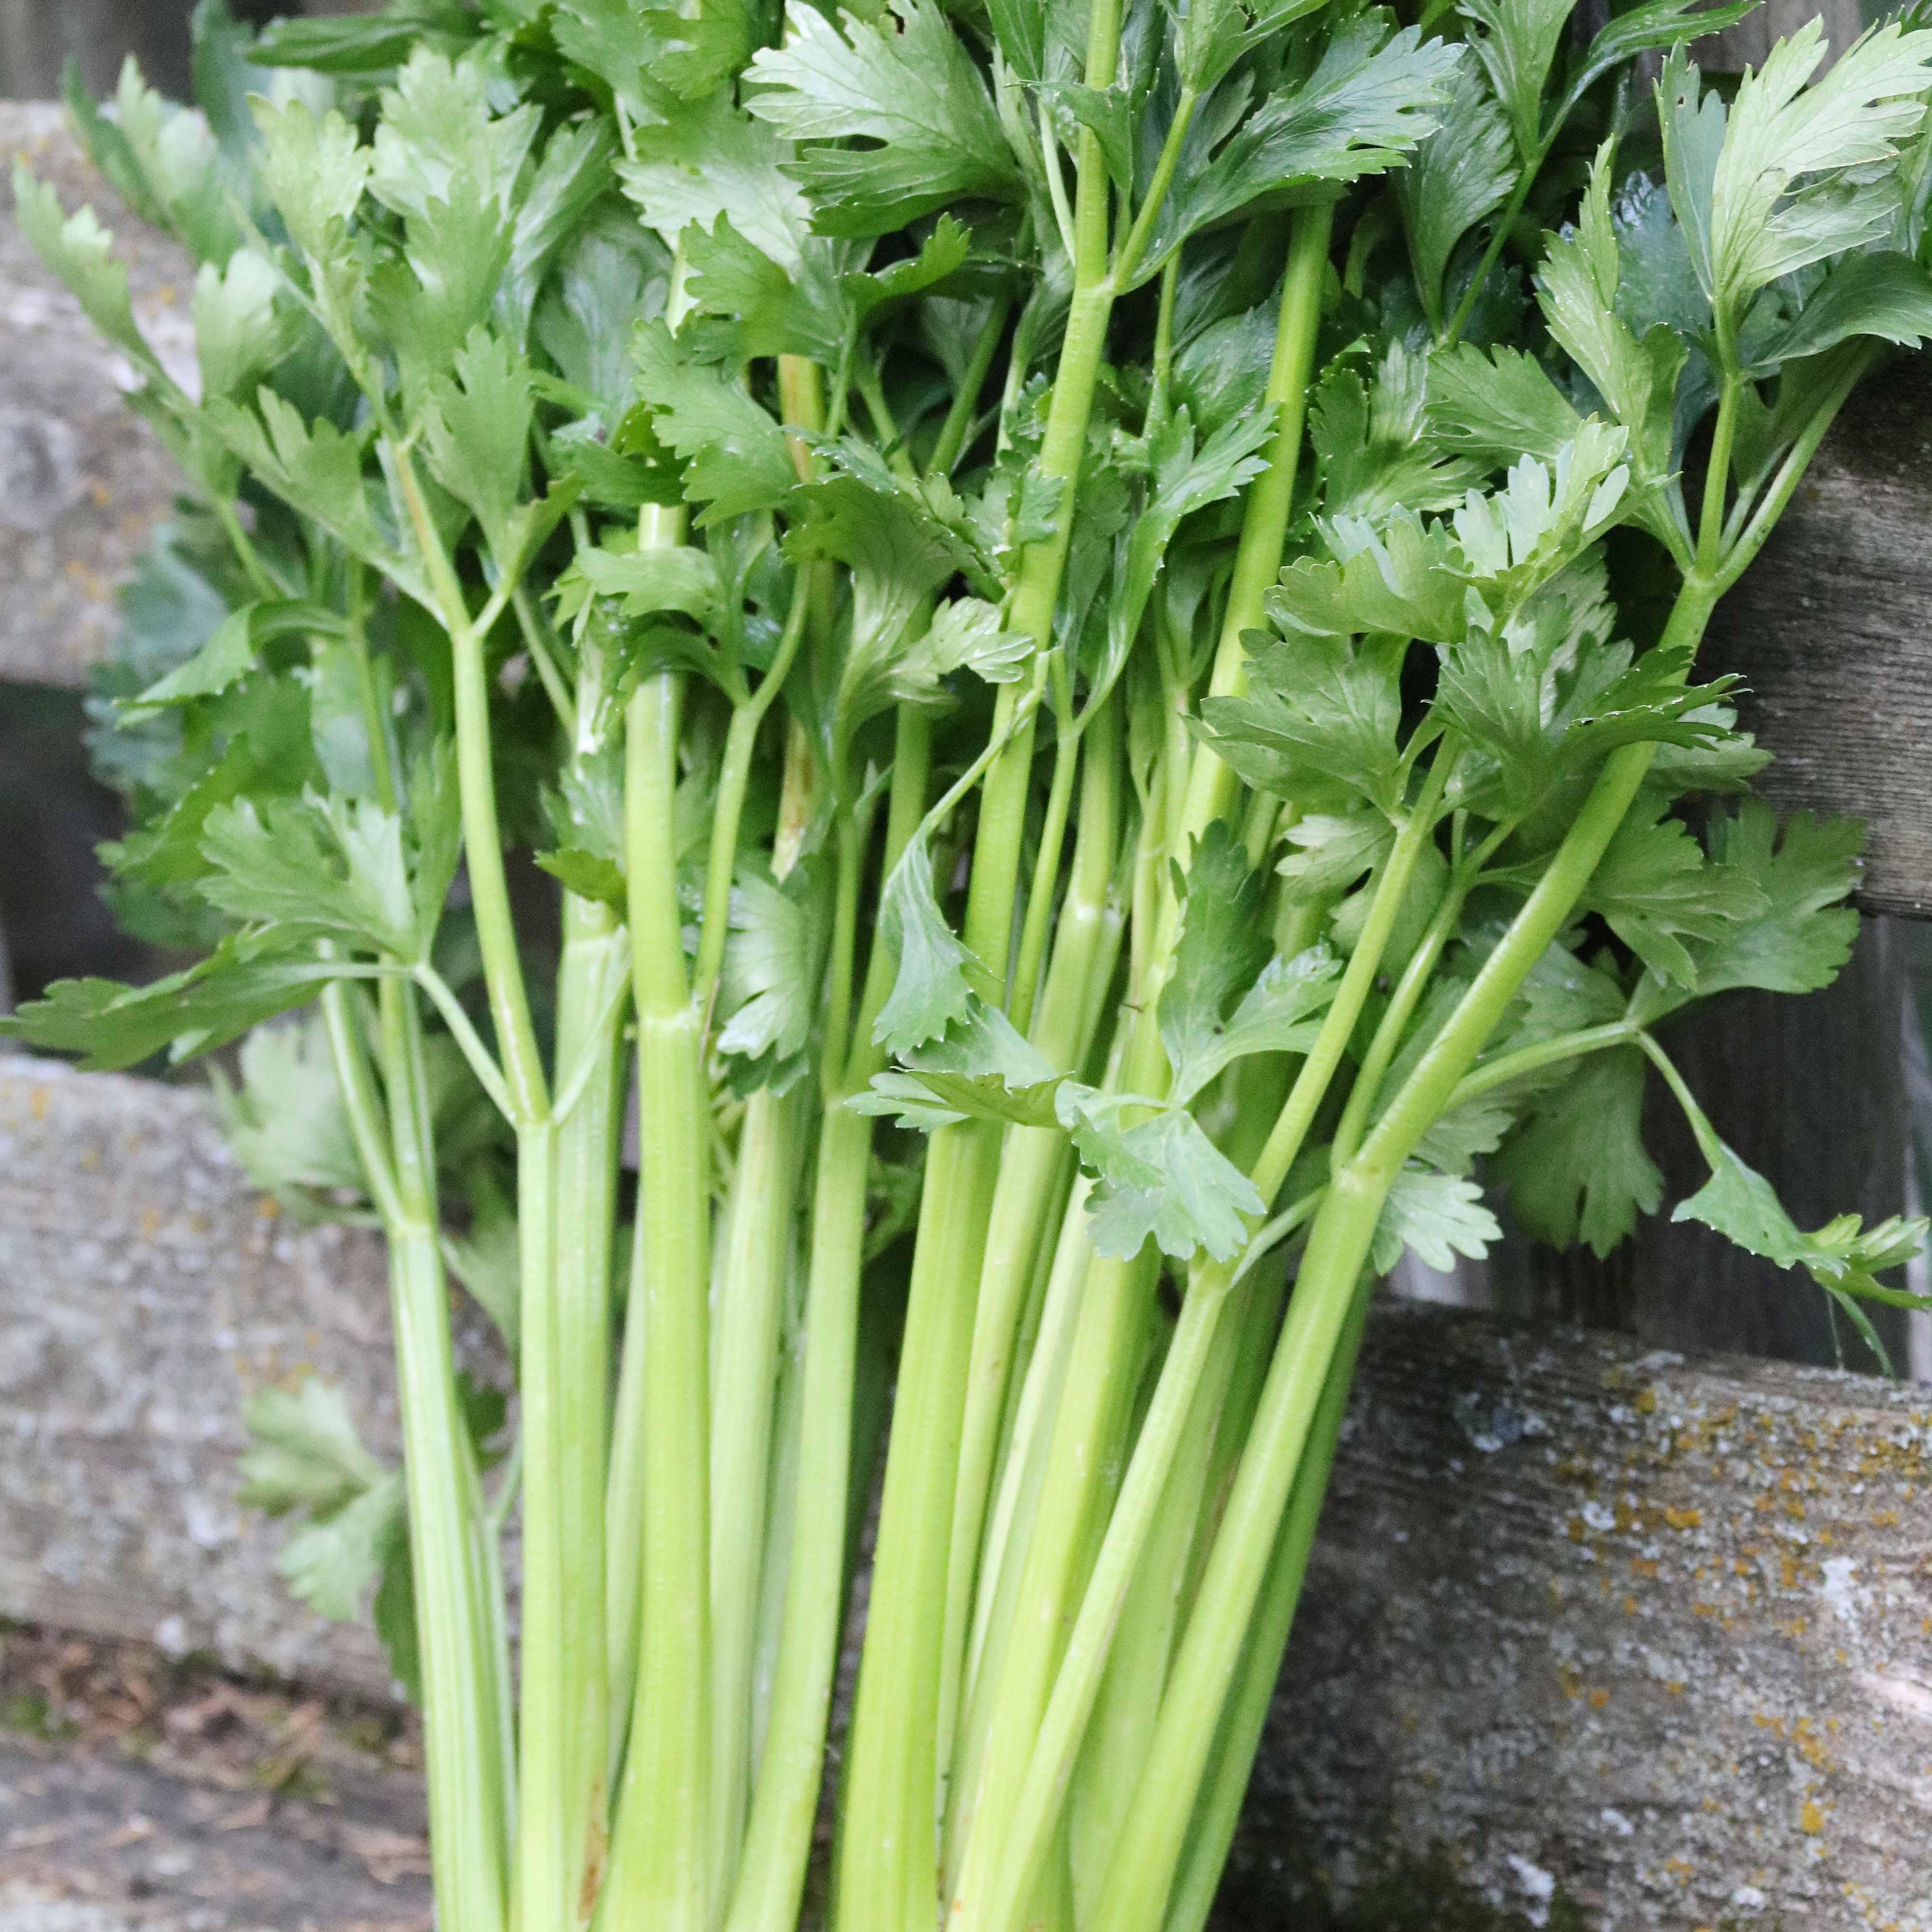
x=1832 y=629
x=144 y=1289
x=1655 y=1631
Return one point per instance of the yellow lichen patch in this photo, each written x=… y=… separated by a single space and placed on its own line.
x=1810 y=1819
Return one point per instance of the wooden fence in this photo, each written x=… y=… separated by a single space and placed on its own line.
x=1588 y=1614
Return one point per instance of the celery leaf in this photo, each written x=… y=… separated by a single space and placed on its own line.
x=1576 y=1169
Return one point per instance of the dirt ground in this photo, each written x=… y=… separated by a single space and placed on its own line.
x=138 y=1794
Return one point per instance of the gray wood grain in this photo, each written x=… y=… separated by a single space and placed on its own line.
x=146 y=1289
x=1832 y=629
x=1656 y=1630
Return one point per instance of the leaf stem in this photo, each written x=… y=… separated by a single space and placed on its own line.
x=1717 y=478
x=959 y=418
x=1270 y=498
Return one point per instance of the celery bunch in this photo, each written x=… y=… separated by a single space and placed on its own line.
x=1040 y=585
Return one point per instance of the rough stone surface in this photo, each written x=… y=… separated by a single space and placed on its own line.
x=1655 y=1631
x=82 y=480
x=144 y=1289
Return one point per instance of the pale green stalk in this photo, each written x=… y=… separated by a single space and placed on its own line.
x=750 y=1305
x=784 y=1804
x=1030 y=1172
x=887 y=1860
x=1238 y=1737
x=551 y=1829
x=660 y=1866
x=624 y=1496
x=595 y=950
x=1121 y=1727
x=465 y=1726
x=1270 y=498
x=1016 y=1504
x=1012 y=1859
x=1093 y=1411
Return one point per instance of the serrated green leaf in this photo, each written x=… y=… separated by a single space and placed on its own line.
x=740 y=459
x=1371 y=97
x=285 y=1119
x=1514 y=539
x=231 y=653
x=1659 y=893
x=776 y=312
x=1576 y=1169
x=306 y=1452
x=1439 y=1215
x=964 y=634
x=312 y=168
x=981 y=1068
x=112 y=1026
x=1884 y=295
x=1333 y=850
x=1801 y=174
x=314 y=468
x=1463 y=172
x=1578 y=287
x=79 y=251
x=331 y=1564
x=1516 y=47
x=314 y=868
x=1804 y=933
x=711 y=160
x=239 y=334
x=1538 y=717
x=774 y=963
x=1222 y=944
x=478 y=431
x=1397 y=581
x=1376 y=446
x=367 y=43
x=1844 y=1257
x=912 y=90
x=1314 y=708
x=1112 y=114
x=941 y=255
x=675 y=576
x=1655 y=23
x=571 y=180
x=437 y=129
x=1496 y=404
x=1280 y=1013
x=1157 y=1175
x=933 y=987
